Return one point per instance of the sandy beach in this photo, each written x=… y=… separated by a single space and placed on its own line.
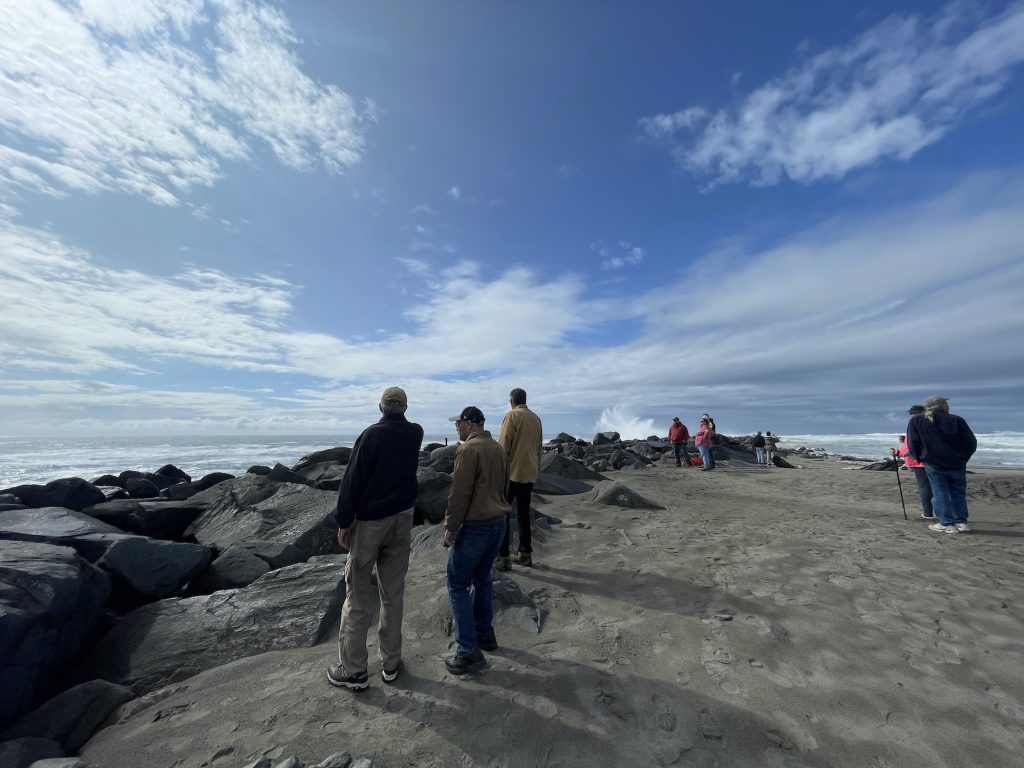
x=764 y=617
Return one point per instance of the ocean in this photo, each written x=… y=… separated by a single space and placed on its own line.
x=39 y=460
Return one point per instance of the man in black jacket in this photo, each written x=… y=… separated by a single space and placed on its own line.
x=374 y=515
x=944 y=443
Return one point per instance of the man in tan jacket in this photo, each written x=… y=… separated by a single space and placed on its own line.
x=521 y=437
x=473 y=527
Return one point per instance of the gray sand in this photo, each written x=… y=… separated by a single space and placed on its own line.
x=764 y=618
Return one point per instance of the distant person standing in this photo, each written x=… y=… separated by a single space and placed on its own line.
x=522 y=437
x=758 y=443
x=770 y=443
x=679 y=436
x=703 y=439
x=374 y=515
x=924 y=488
x=474 y=525
x=944 y=443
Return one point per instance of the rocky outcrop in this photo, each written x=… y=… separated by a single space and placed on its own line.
x=281 y=474
x=157 y=519
x=23 y=753
x=141 y=488
x=559 y=486
x=616 y=494
x=184 y=491
x=173 y=472
x=443 y=459
x=432 y=489
x=72 y=717
x=174 y=639
x=326 y=476
x=70 y=493
x=255 y=507
x=236 y=567
x=143 y=569
x=558 y=465
x=50 y=600
x=339 y=455
x=60 y=527
x=26 y=494
x=603 y=438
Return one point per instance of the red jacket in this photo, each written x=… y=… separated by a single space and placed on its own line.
x=678 y=433
x=909 y=460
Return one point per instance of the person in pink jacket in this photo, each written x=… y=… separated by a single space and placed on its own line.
x=924 y=488
x=702 y=438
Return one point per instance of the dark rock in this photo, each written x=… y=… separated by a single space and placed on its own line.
x=141 y=488
x=616 y=494
x=10 y=498
x=22 y=753
x=443 y=459
x=236 y=567
x=144 y=569
x=109 y=480
x=339 y=455
x=258 y=469
x=4 y=507
x=255 y=507
x=72 y=717
x=562 y=437
x=281 y=474
x=425 y=540
x=50 y=600
x=26 y=494
x=559 y=465
x=70 y=493
x=171 y=471
x=112 y=492
x=160 y=481
x=432 y=489
x=61 y=527
x=184 y=491
x=778 y=461
x=174 y=639
x=430 y=447
x=157 y=519
x=273 y=553
x=885 y=465
x=601 y=438
x=326 y=476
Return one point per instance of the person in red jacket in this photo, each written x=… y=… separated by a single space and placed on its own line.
x=924 y=488
x=679 y=436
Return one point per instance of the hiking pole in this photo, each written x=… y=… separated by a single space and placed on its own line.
x=896 y=461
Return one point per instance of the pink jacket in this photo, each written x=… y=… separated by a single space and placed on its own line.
x=909 y=460
x=703 y=436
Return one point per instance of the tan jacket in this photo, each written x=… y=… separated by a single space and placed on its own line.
x=479 y=482
x=521 y=437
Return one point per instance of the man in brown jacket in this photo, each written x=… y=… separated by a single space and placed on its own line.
x=521 y=436
x=474 y=526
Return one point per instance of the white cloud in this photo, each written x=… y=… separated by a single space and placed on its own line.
x=424 y=209
x=154 y=98
x=425 y=245
x=455 y=193
x=892 y=91
x=616 y=257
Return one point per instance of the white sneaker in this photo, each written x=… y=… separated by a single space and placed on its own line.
x=940 y=528
x=963 y=528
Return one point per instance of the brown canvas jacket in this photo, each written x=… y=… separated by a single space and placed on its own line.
x=479 y=482
x=522 y=436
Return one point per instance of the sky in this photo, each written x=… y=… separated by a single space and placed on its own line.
x=223 y=217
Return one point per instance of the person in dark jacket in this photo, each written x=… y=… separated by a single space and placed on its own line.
x=374 y=516
x=758 y=444
x=944 y=443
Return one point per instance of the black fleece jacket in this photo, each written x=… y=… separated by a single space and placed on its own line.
x=380 y=480
x=945 y=443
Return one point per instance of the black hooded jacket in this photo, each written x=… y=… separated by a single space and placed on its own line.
x=946 y=442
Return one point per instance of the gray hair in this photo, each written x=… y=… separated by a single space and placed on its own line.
x=933 y=404
x=392 y=407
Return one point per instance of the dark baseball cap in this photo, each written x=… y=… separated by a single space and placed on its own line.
x=916 y=409
x=469 y=413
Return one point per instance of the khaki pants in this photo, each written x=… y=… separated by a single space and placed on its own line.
x=384 y=544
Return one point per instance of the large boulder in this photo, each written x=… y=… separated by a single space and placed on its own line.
x=184 y=491
x=25 y=752
x=174 y=639
x=59 y=526
x=339 y=455
x=70 y=493
x=160 y=481
x=236 y=567
x=26 y=494
x=141 y=488
x=281 y=474
x=108 y=480
x=143 y=569
x=432 y=489
x=173 y=472
x=443 y=459
x=72 y=717
x=326 y=476
x=255 y=507
x=558 y=465
x=616 y=494
x=603 y=438
x=157 y=519
x=50 y=600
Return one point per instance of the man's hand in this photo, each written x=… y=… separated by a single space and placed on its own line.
x=345 y=538
x=450 y=537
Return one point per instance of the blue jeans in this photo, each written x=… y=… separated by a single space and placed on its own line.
x=469 y=565
x=759 y=452
x=706 y=456
x=680 y=451
x=949 y=494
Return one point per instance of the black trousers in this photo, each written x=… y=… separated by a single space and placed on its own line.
x=518 y=494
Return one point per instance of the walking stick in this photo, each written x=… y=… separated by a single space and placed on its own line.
x=899 y=484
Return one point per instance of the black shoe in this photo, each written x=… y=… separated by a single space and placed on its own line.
x=463 y=665
x=390 y=675
x=490 y=644
x=502 y=563
x=523 y=558
x=679 y=464
x=336 y=676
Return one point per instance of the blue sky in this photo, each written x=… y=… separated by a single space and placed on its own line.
x=222 y=217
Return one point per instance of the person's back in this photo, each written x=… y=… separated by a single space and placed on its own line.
x=479 y=481
x=942 y=439
x=522 y=438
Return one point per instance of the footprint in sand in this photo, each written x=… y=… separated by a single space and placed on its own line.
x=710 y=726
